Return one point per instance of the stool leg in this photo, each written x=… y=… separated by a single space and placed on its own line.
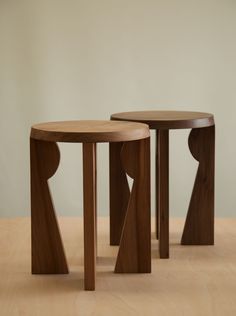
x=47 y=249
x=119 y=193
x=135 y=246
x=199 y=225
x=95 y=194
x=162 y=166
x=156 y=179
x=89 y=185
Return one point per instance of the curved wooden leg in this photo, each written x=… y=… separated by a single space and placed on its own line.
x=135 y=246
x=47 y=249
x=89 y=184
x=162 y=191
x=199 y=225
x=119 y=193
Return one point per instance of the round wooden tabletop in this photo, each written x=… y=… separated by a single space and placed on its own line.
x=167 y=119
x=89 y=131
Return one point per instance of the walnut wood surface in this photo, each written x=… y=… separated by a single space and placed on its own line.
x=135 y=245
x=44 y=162
x=89 y=131
x=199 y=225
x=201 y=213
x=156 y=188
x=89 y=186
x=119 y=192
x=167 y=119
x=162 y=191
x=47 y=249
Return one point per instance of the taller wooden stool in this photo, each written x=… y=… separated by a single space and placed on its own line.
x=199 y=225
x=135 y=247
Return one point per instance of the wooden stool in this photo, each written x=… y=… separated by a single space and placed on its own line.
x=47 y=250
x=199 y=225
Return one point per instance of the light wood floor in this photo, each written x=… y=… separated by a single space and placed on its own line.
x=196 y=280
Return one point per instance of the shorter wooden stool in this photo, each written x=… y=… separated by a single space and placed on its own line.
x=48 y=255
x=199 y=225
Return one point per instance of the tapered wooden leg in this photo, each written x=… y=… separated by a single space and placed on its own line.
x=95 y=194
x=135 y=246
x=199 y=225
x=47 y=250
x=89 y=184
x=162 y=167
x=119 y=193
x=156 y=197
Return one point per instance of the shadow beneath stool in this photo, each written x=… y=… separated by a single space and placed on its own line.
x=153 y=236
x=106 y=261
x=175 y=243
x=45 y=285
x=155 y=249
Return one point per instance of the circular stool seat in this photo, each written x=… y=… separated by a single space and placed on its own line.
x=167 y=119
x=133 y=141
x=199 y=225
x=89 y=131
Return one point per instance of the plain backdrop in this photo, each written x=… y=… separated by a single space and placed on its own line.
x=68 y=59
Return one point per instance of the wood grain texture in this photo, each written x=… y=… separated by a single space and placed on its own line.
x=134 y=254
x=89 y=131
x=119 y=192
x=167 y=119
x=89 y=188
x=95 y=194
x=47 y=249
x=156 y=188
x=199 y=225
x=162 y=191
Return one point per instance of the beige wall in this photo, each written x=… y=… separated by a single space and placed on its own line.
x=86 y=59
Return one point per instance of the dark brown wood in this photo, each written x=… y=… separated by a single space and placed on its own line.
x=47 y=249
x=119 y=192
x=202 y=201
x=199 y=225
x=135 y=245
x=89 y=186
x=167 y=119
x=162 y=167
x=87 y=132
x=95 y=193
x=156 y=187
